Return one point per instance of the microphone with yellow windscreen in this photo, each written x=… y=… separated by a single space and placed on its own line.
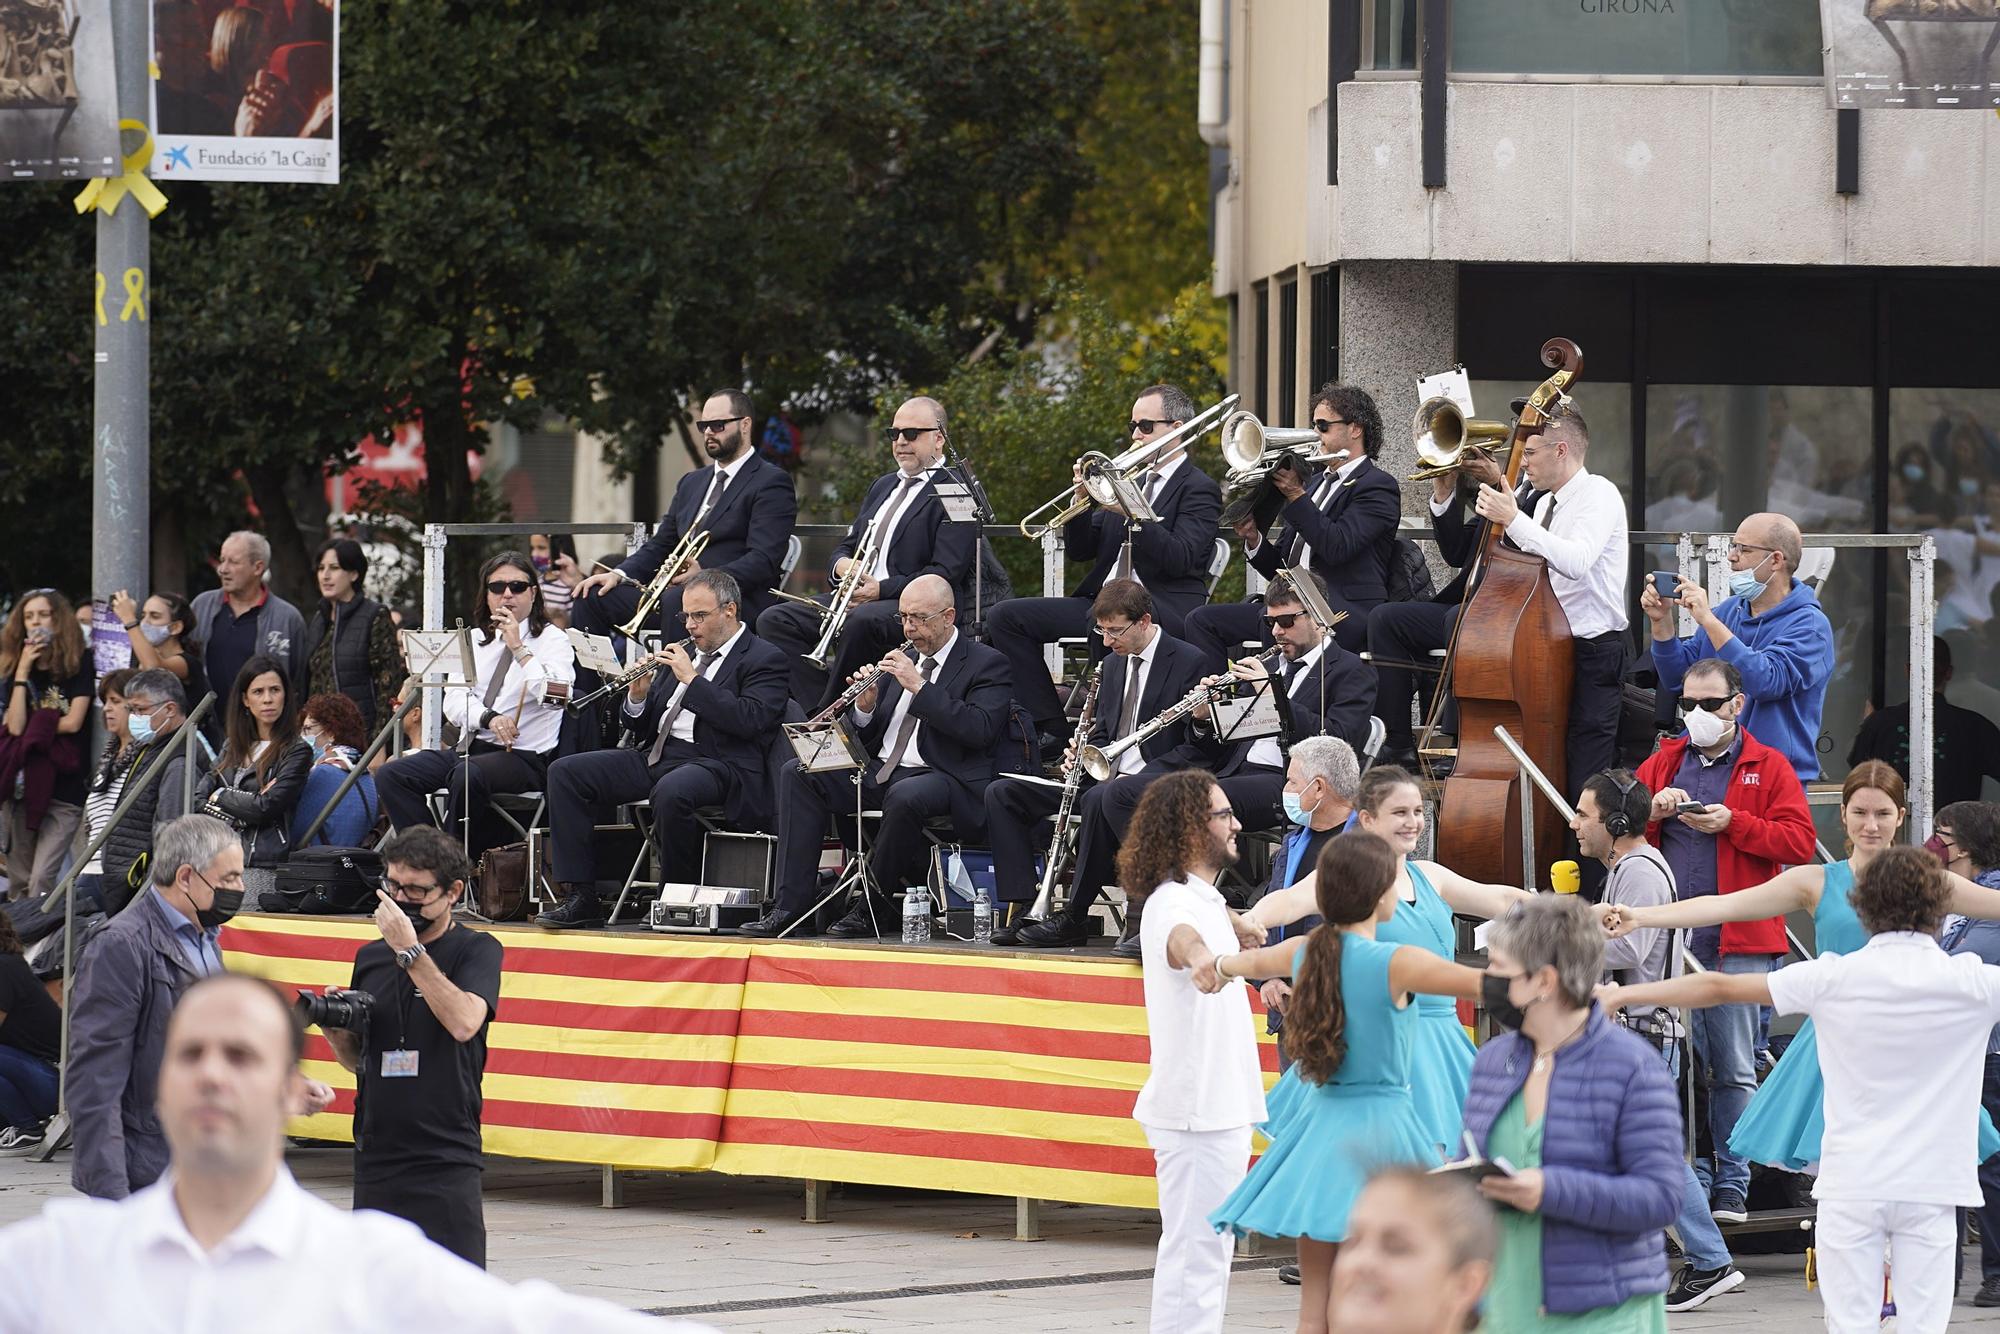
x=1564 y=877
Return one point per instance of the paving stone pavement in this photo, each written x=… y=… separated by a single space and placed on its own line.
x=732 y=1251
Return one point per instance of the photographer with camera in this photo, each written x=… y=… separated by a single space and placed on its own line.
x=413 y=1030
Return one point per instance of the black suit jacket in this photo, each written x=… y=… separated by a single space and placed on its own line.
x=1336 y=699
x=964 y=717
x=747 y=530
x=736 y=711
x=1353 y=538
x=1458 y=530
x=1177 y=666
x=925 y=541
x=1170 y=557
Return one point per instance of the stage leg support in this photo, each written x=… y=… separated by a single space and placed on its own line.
x=614 y=1189
x=1027 y=1218
x=818 y=1193
x=1249 y=1246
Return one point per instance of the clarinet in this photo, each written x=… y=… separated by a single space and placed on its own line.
x=1072 y=782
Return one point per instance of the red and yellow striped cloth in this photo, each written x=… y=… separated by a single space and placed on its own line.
x=963 y=1070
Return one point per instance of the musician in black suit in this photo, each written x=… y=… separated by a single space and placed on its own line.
x=743 y=501
x=1170 y=558
x=1340 y=523
x=916 y=537
x=699 y=728
x=931 y=728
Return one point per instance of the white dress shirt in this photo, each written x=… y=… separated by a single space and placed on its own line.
x=912 y=758
x=1586 y=551
x=296 y=1264
x=1265 y=749
x=880 y=569
x=1205 y=1074
x=1138 y=666
x=729 y=472
x=683 y=727
x=552 y=661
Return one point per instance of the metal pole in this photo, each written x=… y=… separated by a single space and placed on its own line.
x=121 y=477
x=1052 y=587
x=1923 y=684
x=434 y=539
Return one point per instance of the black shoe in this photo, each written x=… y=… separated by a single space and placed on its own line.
x=860 y=925
x=1289 y=1274
x=579 y=908
x=1402 y=756
x=1128 y=948
x=1692 y=1286
x=1017 y=920
x=1727 y=1206
x=1988 y=1294
x=776 y=922
x=1053 y=931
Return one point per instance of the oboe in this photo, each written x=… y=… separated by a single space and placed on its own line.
x=624 y=678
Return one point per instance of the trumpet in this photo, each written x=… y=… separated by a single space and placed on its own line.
x=834 y=614
x=624 y=678
x=1059 y=846
x=1107 y=481
x=1254 y=452
x=856 y=688
x=680 y=558
x=1443 y=433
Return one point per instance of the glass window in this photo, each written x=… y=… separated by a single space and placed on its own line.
x=1606 y=409
x=1395 y=34
x=1734 y=38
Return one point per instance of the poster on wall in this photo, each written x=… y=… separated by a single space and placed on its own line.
x=1934 y=54
x=247 y=91
x=58 y=90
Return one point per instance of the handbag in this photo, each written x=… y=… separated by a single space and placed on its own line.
x=500 y=885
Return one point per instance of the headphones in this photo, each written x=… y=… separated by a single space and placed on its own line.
x=1618 y=822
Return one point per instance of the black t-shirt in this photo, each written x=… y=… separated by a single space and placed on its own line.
x=34 y=1020
x=433 y=1117
x=45 y=692
x=1965 y=748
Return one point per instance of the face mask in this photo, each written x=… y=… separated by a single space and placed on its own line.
x=541 y=562
x=1295 y=810
x=318 y=743
x=1968 y=486
x=1913 y=472
x=228 y=902
x=415 y=912
x=1936 y=848
x=1745 y=583
x=156 y=635
x=1493 y=995
x=1706 y=729
x=139 y=726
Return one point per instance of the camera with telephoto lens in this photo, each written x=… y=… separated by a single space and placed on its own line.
x=346 y=1010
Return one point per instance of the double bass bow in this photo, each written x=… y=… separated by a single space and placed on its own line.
x=1510 y=664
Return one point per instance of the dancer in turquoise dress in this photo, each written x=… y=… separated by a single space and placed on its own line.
x=1391 y=807
x=1783 y=1123
x=1350 y=1031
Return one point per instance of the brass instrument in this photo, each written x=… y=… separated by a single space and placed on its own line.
x=625 y=678
x=1109 y=481
x=821 y=741
x=1443 y=433
x=679 y=559
x=833 y=616
x=1100 y=762
x=1059 y=845
x=1254 y=452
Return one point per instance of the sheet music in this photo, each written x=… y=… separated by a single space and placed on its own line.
x=595 y=652
x=440 y=656
x=1453 y=384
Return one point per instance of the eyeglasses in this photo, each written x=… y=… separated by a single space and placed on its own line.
x=1113 y=633
x=1687 y=706
x=1226 y=813
x=698 y=617
x=1283 y=620
x=718 y=425
x=920 y=617
x=1146 y=425
x=909 y=435
x=1738 y=548
x=415 y=893
x=515 y=586
x=1322 y=425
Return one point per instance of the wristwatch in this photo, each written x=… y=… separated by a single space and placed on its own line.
x=406 y=959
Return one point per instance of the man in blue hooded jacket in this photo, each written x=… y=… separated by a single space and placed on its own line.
x=1770 y=629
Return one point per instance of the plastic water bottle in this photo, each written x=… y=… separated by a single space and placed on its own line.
x=916 y=915
x=982 y=916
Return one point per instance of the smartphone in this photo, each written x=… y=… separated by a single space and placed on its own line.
x=1665 y=582
x=1691 y=807
x=41 y=634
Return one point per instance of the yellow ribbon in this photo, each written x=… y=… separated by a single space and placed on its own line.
x=107 y=194
x=135 y=296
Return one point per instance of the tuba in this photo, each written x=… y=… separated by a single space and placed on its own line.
x=1254 y=452
x=1443 y=433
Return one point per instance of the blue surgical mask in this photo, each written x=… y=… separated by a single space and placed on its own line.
x=140 y=726
x=1968 y=486
x=1745 y=583
x=1295 y=810
x=1913 y=472
x=318 y=742
x=156 y=635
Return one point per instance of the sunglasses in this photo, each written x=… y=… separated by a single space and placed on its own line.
x=1146 y=425
x=718 y=425
x=1322 y=425
x=515 y=586
x=1712 y=705
x=1283 y=620
x=909 y=435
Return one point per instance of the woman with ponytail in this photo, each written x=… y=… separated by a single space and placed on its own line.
x=1348 y=1031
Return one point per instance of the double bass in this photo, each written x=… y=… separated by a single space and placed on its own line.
x=1510 y=664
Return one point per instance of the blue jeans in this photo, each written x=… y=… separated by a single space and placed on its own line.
x=27 y=1087
x=1701 y=1239
x=1725 y=1042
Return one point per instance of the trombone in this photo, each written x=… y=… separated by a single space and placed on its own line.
x=679 y=559
x=1443 y=433
x=1254 y=452
x=1108 y=481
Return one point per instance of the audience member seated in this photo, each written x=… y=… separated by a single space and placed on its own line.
x=1965 y=746
x=155 y=708
x=257 y=780
x=107 y=782
x=1771 y=630
x=555 y=560
x=331 y=725
x=700 y=730
x=30 y=1046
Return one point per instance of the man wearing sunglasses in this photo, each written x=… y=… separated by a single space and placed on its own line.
x=1728 y=813
x=745 y=503
x=917 y=536
x=1770 y=629
x=1170 y=558
x=1340 y=523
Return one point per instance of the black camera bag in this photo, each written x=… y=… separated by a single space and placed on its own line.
x=326 y=882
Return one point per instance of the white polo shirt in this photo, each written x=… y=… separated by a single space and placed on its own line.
x=1205 y=1074
x=1902 y=1047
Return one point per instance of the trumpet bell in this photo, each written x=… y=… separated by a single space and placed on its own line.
x=1247 y=443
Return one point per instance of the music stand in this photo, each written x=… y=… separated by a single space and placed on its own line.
x=828 y=748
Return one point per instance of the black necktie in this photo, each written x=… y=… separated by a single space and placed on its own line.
x=701 y=663
x=708 y=502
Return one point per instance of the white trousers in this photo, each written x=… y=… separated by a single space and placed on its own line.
x=1196 y=1170
x=1850 y=1239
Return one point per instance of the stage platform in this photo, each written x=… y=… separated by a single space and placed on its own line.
x=994 y=1072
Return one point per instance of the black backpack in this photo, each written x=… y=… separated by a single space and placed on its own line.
x=1410 y=574
x=326 y=882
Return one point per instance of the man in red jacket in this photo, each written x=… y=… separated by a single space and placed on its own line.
x=1728 y=813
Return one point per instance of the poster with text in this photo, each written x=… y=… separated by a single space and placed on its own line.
x=247 y=91
x=1934 y=54
x=58 y=90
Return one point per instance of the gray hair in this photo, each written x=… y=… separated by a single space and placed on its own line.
x=157 y=684
x=1174 y=401
x=1556 y=930
x=190 y=840
x=719 y=582
x=259 y=545
x=935 y=408
x=1331 y=759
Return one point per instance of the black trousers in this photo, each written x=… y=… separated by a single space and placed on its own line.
x=1106 y=813
x=583 y=787
x=871 y=630
x=1595 y=702
x=899 y=853
x=404 y=786
x=1220 y=629
x=1018 y=830
x=1989 y=1180
x=1257 y=795
x=445 y=1201
x=1399 y=633
x=1020 y=628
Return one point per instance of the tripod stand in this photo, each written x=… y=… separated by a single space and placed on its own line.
x=858 y=874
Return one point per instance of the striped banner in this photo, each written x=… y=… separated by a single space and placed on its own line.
x=944 y=1069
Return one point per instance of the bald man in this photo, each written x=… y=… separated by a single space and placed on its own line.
x=1770 y=629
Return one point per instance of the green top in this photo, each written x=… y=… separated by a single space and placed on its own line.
x=1514 y=1301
